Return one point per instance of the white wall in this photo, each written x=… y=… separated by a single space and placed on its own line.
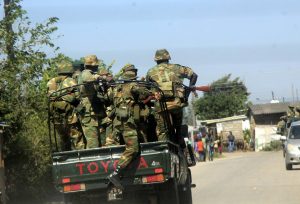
x=263 y=136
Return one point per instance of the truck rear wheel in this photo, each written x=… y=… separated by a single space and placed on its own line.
x=185 y=191
x=168 y=193
x=75 y=198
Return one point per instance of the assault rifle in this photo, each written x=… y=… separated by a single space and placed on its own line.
x=189 y=89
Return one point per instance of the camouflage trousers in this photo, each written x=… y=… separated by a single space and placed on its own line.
x=176 y=120
x=130 y=137
x=111 y=137
x=90 y=130
x=76 y=136
x=70 y=136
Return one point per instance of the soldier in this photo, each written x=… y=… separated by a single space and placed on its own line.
x=127 y=99
x=290 y=111
x=107 y=138
x=63 y=105
x=78 y=68
x=281 y=126
x=170 y=77
x=297 y=112
x=91 y=107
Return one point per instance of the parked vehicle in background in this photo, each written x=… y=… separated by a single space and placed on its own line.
x=292 y=146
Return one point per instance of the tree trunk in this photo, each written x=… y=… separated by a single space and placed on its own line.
x=10 y=33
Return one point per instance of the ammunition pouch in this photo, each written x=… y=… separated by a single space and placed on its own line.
x=174 y=104
x=167 y=88
x=123 y=112
x=136 y=113
x=60 y=105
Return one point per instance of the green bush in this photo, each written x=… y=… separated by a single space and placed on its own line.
x=273 y=146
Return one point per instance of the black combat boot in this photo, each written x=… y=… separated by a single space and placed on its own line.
x=115 y=178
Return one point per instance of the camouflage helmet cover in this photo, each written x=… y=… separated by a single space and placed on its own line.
x=129 y=67
x=162 y=54
x=291 y=107
x=103 y=71
x=91 y=60
x=65 y=68
x=128 y=72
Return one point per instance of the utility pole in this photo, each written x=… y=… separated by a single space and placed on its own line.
x=293 y=93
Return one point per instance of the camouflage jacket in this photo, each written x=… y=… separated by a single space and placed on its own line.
x=169 y=77
x=63 y=83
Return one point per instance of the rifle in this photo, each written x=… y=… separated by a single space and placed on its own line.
x=188 y=90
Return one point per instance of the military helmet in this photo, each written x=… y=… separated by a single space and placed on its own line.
x=162 y=54
x=65 y=68
x=129 y=72
x=283 y=117
x=129 y=67
x=91 y=60
x=77 y=66
x=103 y=71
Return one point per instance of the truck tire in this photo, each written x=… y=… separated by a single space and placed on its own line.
x=75 y=198
x=185 y=191
x=168 y=193
x=288 y=166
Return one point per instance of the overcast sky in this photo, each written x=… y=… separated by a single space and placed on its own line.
x=256 y=40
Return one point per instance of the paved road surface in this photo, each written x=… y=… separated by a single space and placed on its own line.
x=246 y=178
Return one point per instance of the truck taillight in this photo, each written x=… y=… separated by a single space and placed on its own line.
x=159 y=170
x=74 y=187
x=66 y=180
x=153 y=178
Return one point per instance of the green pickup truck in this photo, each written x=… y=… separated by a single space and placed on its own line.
x=160 y=174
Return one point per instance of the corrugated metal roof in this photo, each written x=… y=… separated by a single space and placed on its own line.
x=270 y=108
x=238 y=117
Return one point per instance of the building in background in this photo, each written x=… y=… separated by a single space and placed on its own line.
x=263 y=122
x=235 y=124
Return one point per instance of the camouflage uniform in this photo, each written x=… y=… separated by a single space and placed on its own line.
x=107 y=123
x=169 y=77
x=91 y=107
x=62 y=108
x=127 y=100
x=78 y=68
x=281 y=126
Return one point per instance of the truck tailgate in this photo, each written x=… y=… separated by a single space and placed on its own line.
x=90 y=167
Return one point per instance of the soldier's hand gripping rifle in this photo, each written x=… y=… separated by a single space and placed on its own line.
x=194 y=89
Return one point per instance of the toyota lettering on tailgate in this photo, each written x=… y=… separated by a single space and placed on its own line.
x=95 y=167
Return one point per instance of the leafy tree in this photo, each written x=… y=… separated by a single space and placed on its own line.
x=24 y=70
x=227 y=98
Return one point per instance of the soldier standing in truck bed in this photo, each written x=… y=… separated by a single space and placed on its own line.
x=91 y=108
x=62 y=107
x=127 y=100
x=169 y=78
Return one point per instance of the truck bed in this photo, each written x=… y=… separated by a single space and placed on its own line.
x=86 y=170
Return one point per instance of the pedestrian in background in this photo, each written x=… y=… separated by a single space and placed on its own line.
x=200 y=148
x=231 y=140
x=210 y=145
